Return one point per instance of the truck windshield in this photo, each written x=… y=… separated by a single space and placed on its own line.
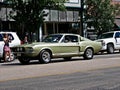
x=106 y=35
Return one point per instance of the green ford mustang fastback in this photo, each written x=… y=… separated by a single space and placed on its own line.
x=57 y=46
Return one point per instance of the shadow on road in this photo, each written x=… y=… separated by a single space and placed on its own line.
x=33 y=62
x=56 y=60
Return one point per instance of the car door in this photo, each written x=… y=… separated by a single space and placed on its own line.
x=69 y=45
x=117 y=39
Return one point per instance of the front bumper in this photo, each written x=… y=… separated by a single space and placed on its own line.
x=24 y=54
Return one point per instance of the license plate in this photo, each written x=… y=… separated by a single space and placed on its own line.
x=18 y=54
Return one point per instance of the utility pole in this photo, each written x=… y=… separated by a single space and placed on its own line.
x=81 y=18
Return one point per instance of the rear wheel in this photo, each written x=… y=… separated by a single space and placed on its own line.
x=45 y=56
x=110 y=48
x=24 y=60
x=88 y=54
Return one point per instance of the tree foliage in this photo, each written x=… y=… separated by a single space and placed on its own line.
x=100 y=14
x=29 y=13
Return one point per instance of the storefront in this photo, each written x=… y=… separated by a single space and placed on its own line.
x=62 y=22
x=67 y=21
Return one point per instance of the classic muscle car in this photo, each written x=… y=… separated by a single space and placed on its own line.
x=57 y=46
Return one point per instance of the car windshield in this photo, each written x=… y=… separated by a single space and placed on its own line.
x=106 y=35
x=52 y=38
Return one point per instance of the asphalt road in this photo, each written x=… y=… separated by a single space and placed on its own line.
x=107 y=79
x=100 y=73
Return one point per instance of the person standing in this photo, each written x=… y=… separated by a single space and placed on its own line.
x=25 y=40
x=6 y=48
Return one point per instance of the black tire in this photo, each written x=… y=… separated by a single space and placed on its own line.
x=110 y=49
x=67 y=58
x=45 y=57
x=11 y=58
x=24 y=61
x=88 y=54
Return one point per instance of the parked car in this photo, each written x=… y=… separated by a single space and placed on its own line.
x=14 y=41
x=57 y=46
x=110 y=41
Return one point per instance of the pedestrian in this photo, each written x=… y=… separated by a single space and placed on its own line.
x=6 y=48
x=25 y=41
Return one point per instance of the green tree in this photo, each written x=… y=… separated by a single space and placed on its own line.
x=100 y=14
x=28 y=14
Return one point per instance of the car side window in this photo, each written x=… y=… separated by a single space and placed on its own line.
x=74 y=39
x=117 y=35
x=70 y=38
x=1 y=37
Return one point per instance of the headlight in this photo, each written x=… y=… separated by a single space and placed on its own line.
x=20 y=49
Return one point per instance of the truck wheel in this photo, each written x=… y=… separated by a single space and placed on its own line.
x=110 y=49
x=88 y=54
x=24 y=61
x=45 y=56
x=12 y=57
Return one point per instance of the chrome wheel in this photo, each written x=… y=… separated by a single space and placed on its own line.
x=88 y=54
x=45 y=56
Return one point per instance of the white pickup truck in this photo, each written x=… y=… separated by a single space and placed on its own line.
x=14 y=41
x=110 y=41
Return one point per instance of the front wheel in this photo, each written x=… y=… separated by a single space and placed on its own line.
x=110 y=49
x=24 y=60
x=88 y=54
x=45 y=56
